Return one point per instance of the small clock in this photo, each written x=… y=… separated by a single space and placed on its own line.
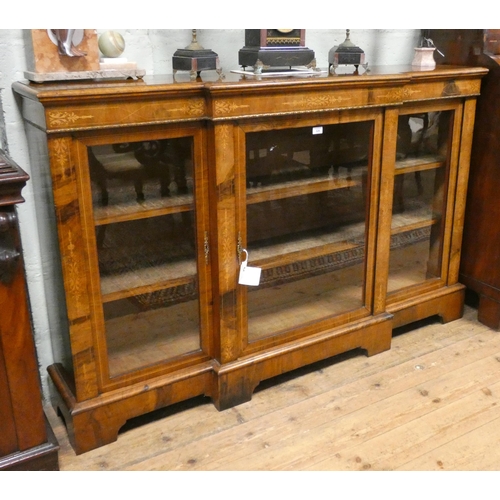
x=279 y=37
x=273 y=48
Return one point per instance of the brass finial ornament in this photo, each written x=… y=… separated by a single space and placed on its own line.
x=194 y=45
x=195 y=59
x=347 y=53
x=347 y=42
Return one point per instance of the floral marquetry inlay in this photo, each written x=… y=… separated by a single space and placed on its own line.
x=318 y=101
x=224 y=107
x=225 y=153
x=74 y=284
x=63 y=118
x=65 y=199
x=400 y=94
x=470 y=87
x=192 y=107
x=327 y=100
x=60 y=156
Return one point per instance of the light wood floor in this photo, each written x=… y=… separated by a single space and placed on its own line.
x=430 y=403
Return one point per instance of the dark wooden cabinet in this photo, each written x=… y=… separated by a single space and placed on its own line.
x=346 y=192
x=480 y=264
x=26 y=441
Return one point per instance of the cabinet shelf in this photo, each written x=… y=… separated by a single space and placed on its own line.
x=418 y=224
x=124 y=188
x=412 y=219
x=418 y=164
x=148 y=280
x=132 y=210
x=322 y=243
x=308 y=246
x=301 y=187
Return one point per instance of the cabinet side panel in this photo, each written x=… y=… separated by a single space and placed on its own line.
x=47 y=234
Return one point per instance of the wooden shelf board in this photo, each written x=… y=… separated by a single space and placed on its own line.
x=138 y=282
x=416 y=225
x=427 y=162
x=152 y=337
x=313 y=245
x=297 y=188
x=416 y=212
x=150 y=208
x=324 y=243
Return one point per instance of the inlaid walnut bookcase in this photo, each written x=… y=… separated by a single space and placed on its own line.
x=348 y=192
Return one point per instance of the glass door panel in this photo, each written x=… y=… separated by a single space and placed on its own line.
x=306 y=216
x=143 y=205
x=420 y=187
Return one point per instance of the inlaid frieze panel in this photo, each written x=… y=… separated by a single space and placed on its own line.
x=119 y=114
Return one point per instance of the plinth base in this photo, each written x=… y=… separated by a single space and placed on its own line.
x=276 y=57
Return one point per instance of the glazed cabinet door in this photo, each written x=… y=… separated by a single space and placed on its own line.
x=428 y=201
x=309 y=223
x=143 y=202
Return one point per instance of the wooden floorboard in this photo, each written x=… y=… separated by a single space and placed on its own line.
x=430 y=403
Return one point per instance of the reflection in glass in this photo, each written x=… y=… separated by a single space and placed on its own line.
x=419 y=199
x=143 y=202
x=306 y=221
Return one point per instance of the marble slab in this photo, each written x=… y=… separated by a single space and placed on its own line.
x=84 y=75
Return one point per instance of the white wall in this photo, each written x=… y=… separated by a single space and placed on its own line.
x=152 y=50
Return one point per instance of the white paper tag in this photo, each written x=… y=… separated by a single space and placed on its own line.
x=249 y=276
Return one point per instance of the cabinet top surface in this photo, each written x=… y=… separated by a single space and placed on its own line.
x=233 y=82
x=156 y=100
